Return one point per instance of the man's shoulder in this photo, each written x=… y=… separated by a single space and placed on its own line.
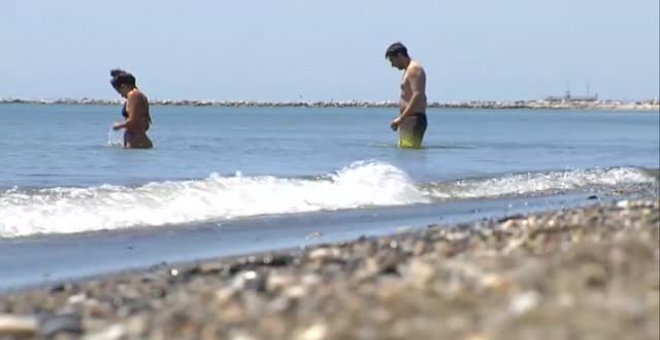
x=417 y=66
x=415 y=69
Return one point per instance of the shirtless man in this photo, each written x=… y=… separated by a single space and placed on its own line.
x=411 y=122
x=136 y=111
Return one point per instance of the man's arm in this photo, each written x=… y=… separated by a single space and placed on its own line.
x=417 y=80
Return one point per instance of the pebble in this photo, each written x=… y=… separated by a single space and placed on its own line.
x=324 y=254
x=524 y=302
x=114 y=332
x=317 y=331
x=17 y=326
x=51 y=326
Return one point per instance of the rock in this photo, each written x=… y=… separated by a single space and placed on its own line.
x=277 y=281
x=17 y=326
x=623 y=204
x=76 y=299
x=476 y=337
x=420 y=273
x=495 y=282
x=524 y=302
x=224 y=295
x=317 y=331
x=252 y=280
x=279 y=260
x=420 y=248
x=324 y=254
x=136 y=325
x=311 y=279
x=280 y=304
x=241 y=336
x=295 y=292
x=113 y=332
x=210 y=267
x=50 y=326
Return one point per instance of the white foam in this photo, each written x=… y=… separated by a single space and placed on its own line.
x=362 y=184
x=107 y=207
x=530 y=183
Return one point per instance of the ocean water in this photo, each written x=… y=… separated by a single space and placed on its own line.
x=62 y=170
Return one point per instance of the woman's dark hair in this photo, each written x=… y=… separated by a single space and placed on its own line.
x=396 y=49
x=121 y=77
x=115 y=72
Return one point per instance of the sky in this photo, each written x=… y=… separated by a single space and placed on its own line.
x=330 y=49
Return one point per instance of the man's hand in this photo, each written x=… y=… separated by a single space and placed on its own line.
x=395 y=123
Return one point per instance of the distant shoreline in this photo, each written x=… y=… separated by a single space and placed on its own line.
x=647 y=105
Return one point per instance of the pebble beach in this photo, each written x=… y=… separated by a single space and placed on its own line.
x=584 y=273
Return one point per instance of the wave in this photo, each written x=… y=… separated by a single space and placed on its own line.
x=359 y=185
x=534 y=183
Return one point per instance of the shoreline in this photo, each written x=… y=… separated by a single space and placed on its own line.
x=614 y=105
x=580 y=272
x=117 y=251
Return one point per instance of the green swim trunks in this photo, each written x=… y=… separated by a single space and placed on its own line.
x=411 y=131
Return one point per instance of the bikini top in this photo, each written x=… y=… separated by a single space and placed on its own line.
x=124 y=112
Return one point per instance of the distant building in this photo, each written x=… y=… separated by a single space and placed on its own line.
x=569 y=98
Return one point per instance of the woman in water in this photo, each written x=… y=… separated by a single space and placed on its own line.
x=136 y=111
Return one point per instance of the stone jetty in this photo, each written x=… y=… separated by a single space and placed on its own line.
x=646 y=105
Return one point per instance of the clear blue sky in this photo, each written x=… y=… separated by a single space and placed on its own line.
x=323 y=49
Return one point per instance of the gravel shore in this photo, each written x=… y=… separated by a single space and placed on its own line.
x=588 y=273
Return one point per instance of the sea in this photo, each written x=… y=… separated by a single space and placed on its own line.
x=224 y=181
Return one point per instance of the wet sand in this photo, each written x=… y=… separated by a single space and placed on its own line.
x=583 y=273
